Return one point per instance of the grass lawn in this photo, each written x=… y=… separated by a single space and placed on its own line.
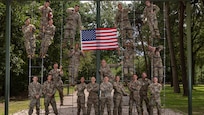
x=15 y=106
x=180 y=103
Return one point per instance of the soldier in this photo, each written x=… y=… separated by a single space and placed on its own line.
x=106 y=88
x=122 y=21
x=35 y=92
x=81 y=96
x=73 y=22
x=155 y=89
x=93 y=89
x=49 y=31
x=28 y=31
x=46 y=15
x=57 y=73
x=143 y=91
x=154 y=52
x=119 y=92
x=105 y=71
x=74 y=63
x=150 y=16
x=49 y=93
x=134 y=87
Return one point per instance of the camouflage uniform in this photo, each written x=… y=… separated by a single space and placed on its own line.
x=122 y=20
x=157 y=64
x=74 y=64
x=58 y=82
x=34 y=90
x=106 y=71
x=49 y=88
x=134 y=88
x=72 y=22
x=155 y=89
x=145 y=82
x=106 y=89
x=46 y=13
x=47 y=40
x=128 y=61
x=81 y=98
x=119 y=91
x=93 y=97
x=152 y=19
x=29 y=36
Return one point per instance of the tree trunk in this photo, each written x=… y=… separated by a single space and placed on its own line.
x=171 y=50
x=182 y=52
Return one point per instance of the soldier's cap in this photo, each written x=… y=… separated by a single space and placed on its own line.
x=160 y=47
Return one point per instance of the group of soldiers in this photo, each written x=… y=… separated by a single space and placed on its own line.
x=101 y=95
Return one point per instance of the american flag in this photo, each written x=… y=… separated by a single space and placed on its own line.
x=99 y=39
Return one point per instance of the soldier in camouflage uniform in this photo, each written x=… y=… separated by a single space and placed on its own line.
x=74 y=63
x=145 y=82
x=57 y=73
x=81 y=96
x=150 y=16
x=28 y=31
x=106 y=99
x=73 y=22
x=49 y=31
x=119 y=92
x=93 y=89
x=49 y=93
x=46 y=15
x=35 y=92
x=122 y=21
x=154 y=52
x=134 y=87
x=105 y=71
x=155 y=90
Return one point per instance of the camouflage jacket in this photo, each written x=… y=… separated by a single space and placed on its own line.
x=144 y=85
x=56 y=75
x=50 y=31
x=134 y=87
x=105 y=71
x=75 y=56
x=45 y=11
x=73 y=19
x=106 y=89
x=155 y=89
x=80 y=89
x=93 y=90
x=49 y=88
x=34 y=89
x=118 y=88
x=122 y=16
x=28 y=34
x=147 y=11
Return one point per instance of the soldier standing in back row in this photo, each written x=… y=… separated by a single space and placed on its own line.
x=35 y=92
x=46 y=15
x=105 y=71
x=154 y=52
x=134 y=87
x=74 y=63
x=155 y=90
x=106 y=99
x=150 y=15
x=49 y=32
x=122 y=21
x=93 y=89
x=73 y=22
x=145 y=82
x=28 y=31
x=81 y=96
x=57 y=73
x=49 y=93
x=119 y=92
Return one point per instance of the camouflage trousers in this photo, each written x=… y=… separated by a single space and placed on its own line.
x=155 y=102
x=146 y=100
x=59 y=87
x=50 y=100
x=69 y=33
x=153 y=27
x=30 y=46
x=43 y=24
x=73 y=72
x=81 y=105
x=45 y=44
x=117 y=100
x=135 y=98
x=90 y=102
x=34 y=102
x=106 y=101
x=158 y=72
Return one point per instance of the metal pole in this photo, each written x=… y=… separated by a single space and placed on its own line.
x=8 y=37
x=189 y=56
x=98 y=79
